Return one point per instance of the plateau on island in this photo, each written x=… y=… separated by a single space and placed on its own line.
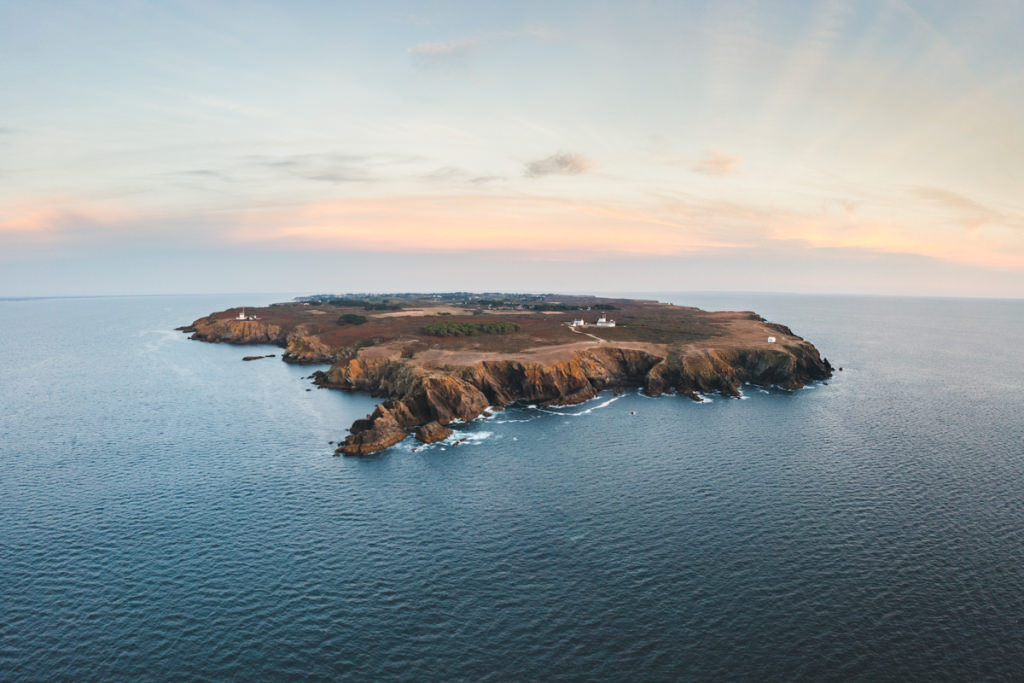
x=438 y=358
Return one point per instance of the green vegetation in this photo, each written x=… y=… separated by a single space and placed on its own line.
x=572 y=307
x=371 y=304
x=366 y=304
x=556 y=307
x=352 y=319
x=380 y=306
x=455 y=328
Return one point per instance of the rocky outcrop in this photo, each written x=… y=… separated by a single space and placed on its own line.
x=300 y=345
x=432 y=432
x=303 y=347
x=231 y=331
x=383 y=428
x=724 y=371
x=428 y=400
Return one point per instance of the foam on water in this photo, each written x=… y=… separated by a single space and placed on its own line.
x=553 y=410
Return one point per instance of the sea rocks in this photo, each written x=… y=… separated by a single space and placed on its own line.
x=432 y=432
x=378 y=431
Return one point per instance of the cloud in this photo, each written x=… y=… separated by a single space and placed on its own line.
x=331 y=167
x=55 y=215
x=563 y=163
x=197 y=173
x=717 y=163
x=446 y=174
x=444 y=49
x=966 y=211
x=445 y=54
x=411 y=18
x=467 y=223
x=453 y=49
x=453 y=174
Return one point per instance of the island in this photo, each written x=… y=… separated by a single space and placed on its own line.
x=440 y=358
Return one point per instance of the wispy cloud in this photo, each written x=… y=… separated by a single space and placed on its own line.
x=331 y=167
x=411 y=18
x=199 y=173
x=456 y=175
x=450 y=49
x=49 y=217
x=966 y=211
x=717 y=163
x=444 y=49
x=461 y=223
x=562 y=163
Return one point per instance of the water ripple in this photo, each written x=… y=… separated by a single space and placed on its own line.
x=170 y=512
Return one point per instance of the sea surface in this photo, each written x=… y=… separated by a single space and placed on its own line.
x=168 y=511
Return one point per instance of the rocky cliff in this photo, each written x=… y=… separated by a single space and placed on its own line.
x=300 y=346
x=427 y=399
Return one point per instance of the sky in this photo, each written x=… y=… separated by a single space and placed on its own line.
x=871 y=147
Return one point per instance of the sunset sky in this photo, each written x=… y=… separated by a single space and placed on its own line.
x=820 y=147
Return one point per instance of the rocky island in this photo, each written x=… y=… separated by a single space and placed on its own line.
x=437 y=358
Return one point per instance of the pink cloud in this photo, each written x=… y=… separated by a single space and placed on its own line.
x=717 y=163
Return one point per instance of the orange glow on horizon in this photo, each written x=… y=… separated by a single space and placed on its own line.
x=473 y=223
x=550 y=227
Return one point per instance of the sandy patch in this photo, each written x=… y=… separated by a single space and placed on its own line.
x=419 y=312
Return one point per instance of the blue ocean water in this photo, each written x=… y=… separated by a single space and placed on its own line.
x=168 y=511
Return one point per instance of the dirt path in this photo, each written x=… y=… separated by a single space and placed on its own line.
x=598 y=339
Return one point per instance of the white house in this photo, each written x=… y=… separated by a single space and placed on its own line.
x=604 y=322
x=771 y=340
x=577 y=323
x=243 y=316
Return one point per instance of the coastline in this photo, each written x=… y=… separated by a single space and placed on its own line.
x=428 y=383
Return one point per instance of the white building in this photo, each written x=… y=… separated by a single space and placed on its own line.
x=604 y=322
x=243 y=316
x=577 y=323
x=771 y=340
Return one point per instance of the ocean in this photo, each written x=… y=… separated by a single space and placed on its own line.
x=168 y=511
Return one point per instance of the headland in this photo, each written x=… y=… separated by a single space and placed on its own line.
x=437 y=358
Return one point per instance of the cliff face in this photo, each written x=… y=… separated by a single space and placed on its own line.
x=299 y=345
x=231 y=331
x=428 y=399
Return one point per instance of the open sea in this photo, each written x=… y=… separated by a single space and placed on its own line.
x=170 y=512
